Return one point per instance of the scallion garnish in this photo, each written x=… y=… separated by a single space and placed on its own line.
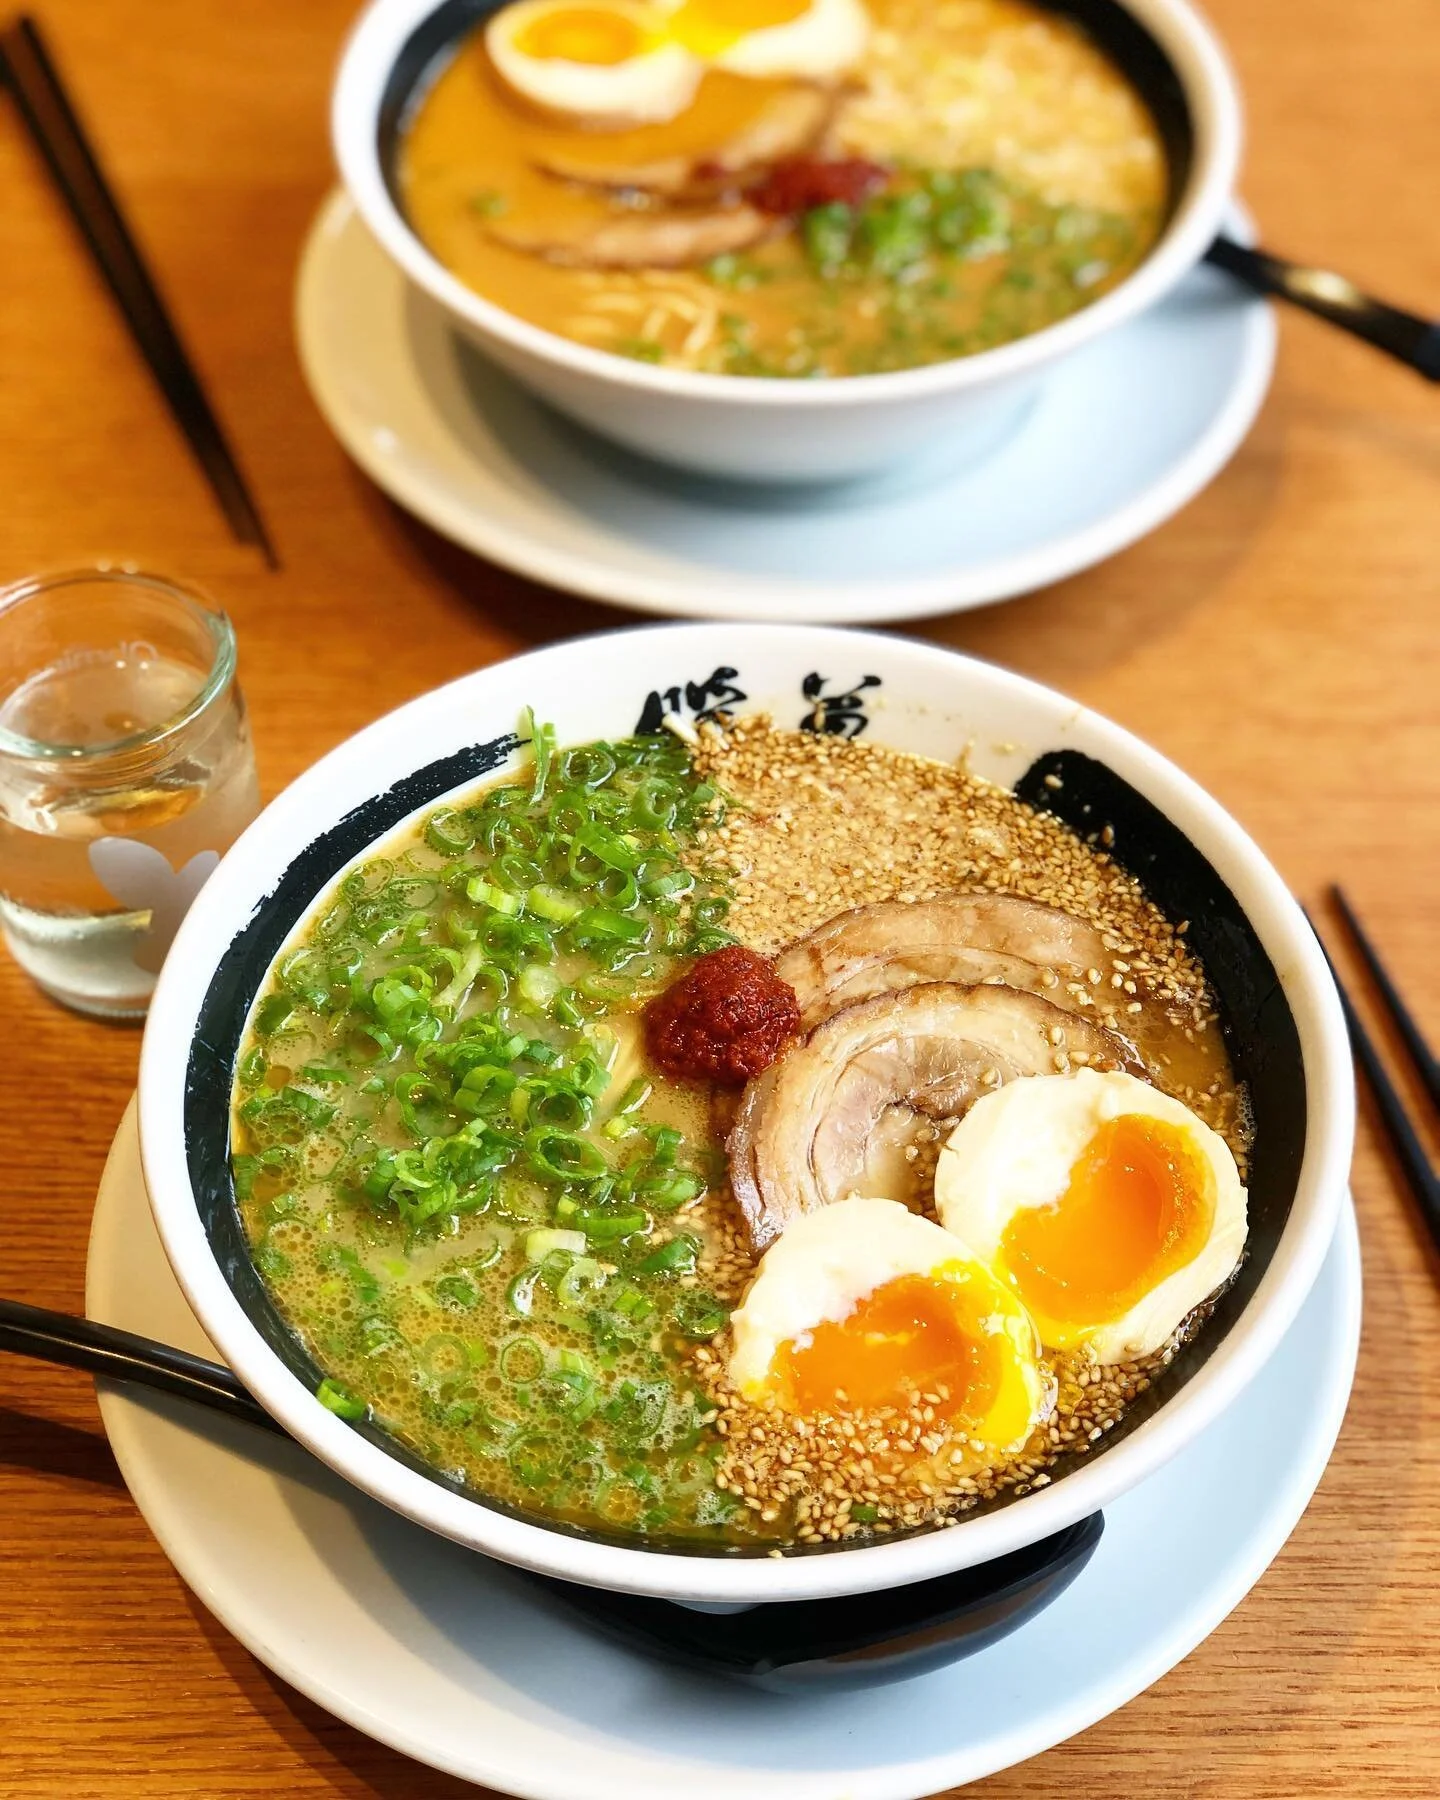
x=429 y=1069
x=340 y=1400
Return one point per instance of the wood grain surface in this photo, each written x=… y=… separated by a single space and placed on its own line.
x=1278 y=638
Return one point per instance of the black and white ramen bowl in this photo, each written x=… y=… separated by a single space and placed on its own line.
x=758 y=429
x=1284 y=1031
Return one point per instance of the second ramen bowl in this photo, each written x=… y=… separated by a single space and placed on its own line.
x=760 y=429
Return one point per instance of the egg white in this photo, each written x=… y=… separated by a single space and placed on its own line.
x=656 y=84
x=1016 y=1148
x=825 y=1263
x=825 y=42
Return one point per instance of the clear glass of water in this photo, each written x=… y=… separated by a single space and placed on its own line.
x=125 y=769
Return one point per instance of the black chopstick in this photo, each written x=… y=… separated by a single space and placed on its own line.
x=27 y=68
x=1421 y=1178
x=1421 y=1054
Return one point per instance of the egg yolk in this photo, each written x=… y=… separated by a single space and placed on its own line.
x=710 y=27
x=1140 y=1204
x=916 y=1334
x=583 y=34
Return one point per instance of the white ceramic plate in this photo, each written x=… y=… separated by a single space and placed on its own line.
x=1124 y=433
x=451 y=1659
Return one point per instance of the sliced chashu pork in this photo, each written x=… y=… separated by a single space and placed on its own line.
x=964 y=938
x=643 y=240
x=788 y=124
x=806 y=1126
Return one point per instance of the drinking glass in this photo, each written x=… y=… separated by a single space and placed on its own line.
x=125 y=769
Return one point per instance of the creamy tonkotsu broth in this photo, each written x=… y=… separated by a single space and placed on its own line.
x=511 y=1134
x=976 y=170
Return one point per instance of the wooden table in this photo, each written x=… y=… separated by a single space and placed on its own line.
x=1279 y=639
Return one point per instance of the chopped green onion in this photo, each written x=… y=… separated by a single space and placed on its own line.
x=522 y=1360
x=491 y=1250
x=539 y=1244
x=563 y=1156
x=377 y=1335
x=606 y=922
x=612 y=848
x=571 y=1392
x=603 y=1225
x=667 y=1141
x=520 y=1295
x=827 y=232
x=414 y=1093
x=272 y=1263
x=579 y=1284
x=550 y=903
x=341 y=1258
x=285 y=1118
x=538 y=987
x=535 y=1460
x=655 y=805
x=368 y=879
x=339 y=1400
x=273 y=1013
x=305 y=974
x=468 y=979
x=588 y=766
x=620 y=888
x=542 y=744
x=451 y=833
x=608 y=990
x=567 y=1108
x=699 y=1315
x=322 y=1076
x=670 y=1191
x=565 y=1010
x=678 y=1257
x=485 y=893
x=634 y=1097
x=457 y=1291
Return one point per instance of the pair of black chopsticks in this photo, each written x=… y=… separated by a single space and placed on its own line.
x=1420 y=1175
x=27 y=69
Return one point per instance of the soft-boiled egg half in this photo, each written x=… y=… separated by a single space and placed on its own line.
x=812 y=40
x=616 y=63
x=864 y=1305
x=1110 y=1209
x=606 y=63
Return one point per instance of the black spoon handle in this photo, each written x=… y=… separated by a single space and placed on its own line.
x=106 y=1350
x=1405 y=336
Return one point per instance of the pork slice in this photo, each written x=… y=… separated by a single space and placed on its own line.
x=965 y=938
x=803 y=1131
x=644 y=240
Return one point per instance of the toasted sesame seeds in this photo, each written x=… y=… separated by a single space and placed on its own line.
x=903 y=827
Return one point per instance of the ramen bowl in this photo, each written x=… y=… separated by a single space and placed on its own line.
x=775 y=430
x=1281 y=1019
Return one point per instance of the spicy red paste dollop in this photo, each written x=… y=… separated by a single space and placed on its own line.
x=799 y=183
x=725 y=1020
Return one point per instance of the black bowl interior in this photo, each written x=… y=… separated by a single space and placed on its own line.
x=1259 y=1029
x=1123 y=38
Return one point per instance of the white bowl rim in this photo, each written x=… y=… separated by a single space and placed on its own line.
x=1250 y=1340
x=1182 y=33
